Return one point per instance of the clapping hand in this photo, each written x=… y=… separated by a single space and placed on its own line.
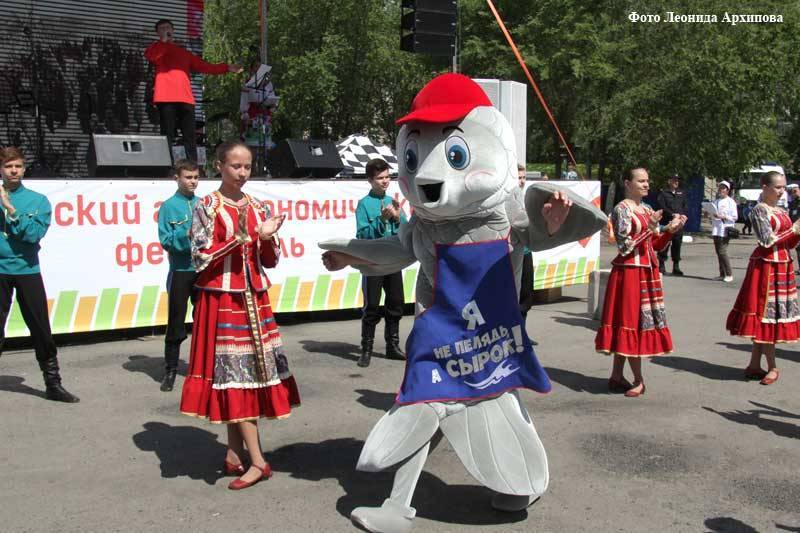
x=654 y=220
x=5 y=200
x=555 y=211
x=390 y=211
x=270 y=227
x=677 y=223
x=236 y=69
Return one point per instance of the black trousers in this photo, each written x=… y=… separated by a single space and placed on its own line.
x=526 y=285
x=392 y=285
x=180 y=289
x=674 y=246
x=33 y=303
x=172 y=114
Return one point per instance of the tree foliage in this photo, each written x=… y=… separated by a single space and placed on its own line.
x=337 y=65
x=680 y=97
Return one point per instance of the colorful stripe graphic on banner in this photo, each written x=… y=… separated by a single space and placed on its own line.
x=73 y=313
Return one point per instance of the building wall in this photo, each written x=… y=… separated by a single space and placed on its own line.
x=82 y=62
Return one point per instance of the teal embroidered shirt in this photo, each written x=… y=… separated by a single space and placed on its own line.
x=21 y=233
x=174 y=223
x=369 y=224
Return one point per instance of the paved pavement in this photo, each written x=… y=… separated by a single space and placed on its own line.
x=703 y=450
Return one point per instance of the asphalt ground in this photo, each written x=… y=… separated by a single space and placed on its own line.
x=702 y=450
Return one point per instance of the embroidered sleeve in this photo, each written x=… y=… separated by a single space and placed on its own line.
x=30 y=226
x=760 y=217
x=622 y=220
x=766 y=236
x=204 y=249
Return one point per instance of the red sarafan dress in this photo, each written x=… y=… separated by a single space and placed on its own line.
x=634 y=322
x=237 y=368
x=766 y=309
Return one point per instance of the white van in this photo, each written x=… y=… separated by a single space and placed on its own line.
x=748 y=187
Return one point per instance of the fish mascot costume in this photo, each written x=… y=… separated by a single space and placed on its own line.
x=467 y=353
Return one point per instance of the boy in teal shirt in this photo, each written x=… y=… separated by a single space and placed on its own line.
x=174 y=223
x=25 y=220
x=378 y=215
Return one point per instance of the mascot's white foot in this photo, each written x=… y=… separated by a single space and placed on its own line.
x=391 y=517
x=510 y=503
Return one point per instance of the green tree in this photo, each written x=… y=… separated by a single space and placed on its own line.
x=680 y=97
x=337 y=66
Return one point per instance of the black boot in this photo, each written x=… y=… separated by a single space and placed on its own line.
x=662 y=267
x=171 y=356
x=52 y=380
x=392 y=336
x=367 y=340
x=168 y=381
x=676 y=271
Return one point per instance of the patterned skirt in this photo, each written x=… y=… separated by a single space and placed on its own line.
x=634 y=321
x=237 y=368
x=766 y=309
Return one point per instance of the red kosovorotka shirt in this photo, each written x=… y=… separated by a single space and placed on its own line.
x=173 y=66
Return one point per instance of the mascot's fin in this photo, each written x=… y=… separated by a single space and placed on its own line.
x=397 y=435
x=496 y=441
x=584 y=218
x=388 y=254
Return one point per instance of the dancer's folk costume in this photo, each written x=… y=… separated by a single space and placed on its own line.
x=371 y=225
x=766 y=309
x=237 y=368
x=174 y=223
x=634 y=322
x=467 y=352
x=20 y=233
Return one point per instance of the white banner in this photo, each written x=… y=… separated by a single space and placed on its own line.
x=103 y=267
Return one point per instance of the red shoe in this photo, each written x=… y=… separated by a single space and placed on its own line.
x=238 y=484
x=752 y=373
x=635 y=394
x=769 y=381
x=621 y=385
x=231 y=469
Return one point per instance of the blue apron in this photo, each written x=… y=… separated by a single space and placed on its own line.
x=471 y=343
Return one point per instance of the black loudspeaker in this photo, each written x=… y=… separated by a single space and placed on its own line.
x=440 y=6
x=123 y=156
x=295 y=158
x=429 y=27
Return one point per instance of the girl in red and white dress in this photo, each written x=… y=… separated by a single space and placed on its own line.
x=634 y=323
x=237 y=369
x=766 y=309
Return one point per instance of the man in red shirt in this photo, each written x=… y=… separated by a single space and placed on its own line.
x=172 y=93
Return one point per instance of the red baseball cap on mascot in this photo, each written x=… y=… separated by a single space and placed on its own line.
x=446 y=98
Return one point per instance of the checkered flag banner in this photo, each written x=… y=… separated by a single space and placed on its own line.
x=356 y=150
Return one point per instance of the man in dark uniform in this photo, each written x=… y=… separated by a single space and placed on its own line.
x=672 y=201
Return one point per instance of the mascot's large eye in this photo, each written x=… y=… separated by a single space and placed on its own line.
x=457 y=152
x=412 y=156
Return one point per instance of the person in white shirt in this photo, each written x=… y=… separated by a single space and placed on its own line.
x=724 y=219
